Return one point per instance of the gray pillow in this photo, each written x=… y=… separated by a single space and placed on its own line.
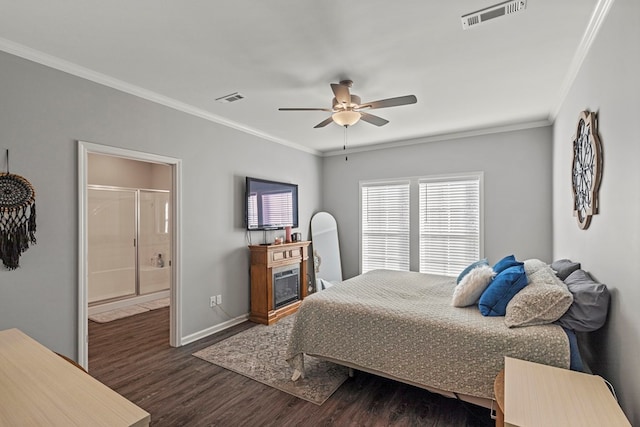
x=588 y=311
x=564 y=267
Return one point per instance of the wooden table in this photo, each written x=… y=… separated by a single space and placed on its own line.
x=37 y=388
x=540 y=395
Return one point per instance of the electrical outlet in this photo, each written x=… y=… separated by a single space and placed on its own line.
x=212 y=301
x=219 y=299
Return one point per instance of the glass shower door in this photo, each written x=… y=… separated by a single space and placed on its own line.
x=111 y=244
x=154 y=241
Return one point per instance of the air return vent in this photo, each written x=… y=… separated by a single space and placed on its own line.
x=481 y=16
x=235 y=96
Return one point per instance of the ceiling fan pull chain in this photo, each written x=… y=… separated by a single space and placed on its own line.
x=344 y=147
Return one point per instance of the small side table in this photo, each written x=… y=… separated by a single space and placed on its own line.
x=498 y=390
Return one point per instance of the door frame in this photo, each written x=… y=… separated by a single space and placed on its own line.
x=175 y=292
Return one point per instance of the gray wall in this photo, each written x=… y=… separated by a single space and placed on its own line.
x=610 y=249
x=43 y=112
x=517 y=188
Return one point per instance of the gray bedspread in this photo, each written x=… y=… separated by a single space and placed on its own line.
x=403 y=324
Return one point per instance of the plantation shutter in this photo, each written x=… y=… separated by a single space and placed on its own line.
x=385 y=226
x=449 y=225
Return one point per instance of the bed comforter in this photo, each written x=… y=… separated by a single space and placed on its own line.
x=402 y=324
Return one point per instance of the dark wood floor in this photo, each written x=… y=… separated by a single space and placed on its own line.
x=133 y=357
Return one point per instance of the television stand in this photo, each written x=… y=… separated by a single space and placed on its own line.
x=264 y=259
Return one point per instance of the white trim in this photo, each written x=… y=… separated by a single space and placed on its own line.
x=105 y=80
x=595 y=23
x=175 y=313
x=175 y=328
x=83 y=305
x=214 y=329
x=442 y=137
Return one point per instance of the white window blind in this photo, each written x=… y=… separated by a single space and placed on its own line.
x=385 y=226
x=252 y=210
x=449 y=225
x=277 y=208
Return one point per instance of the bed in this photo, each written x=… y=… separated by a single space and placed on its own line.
x=401 y=325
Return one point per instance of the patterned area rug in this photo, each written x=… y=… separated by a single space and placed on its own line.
x=259 y=353
x=110 y=316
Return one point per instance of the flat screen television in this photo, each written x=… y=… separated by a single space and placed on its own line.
x=270 y=205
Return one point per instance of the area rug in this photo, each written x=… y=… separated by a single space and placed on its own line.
x=259 y=353
x=155 y=304
x=120 y=313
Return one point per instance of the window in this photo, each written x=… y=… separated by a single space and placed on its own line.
x=427 y=224
x=449 y=225
x=385 y=226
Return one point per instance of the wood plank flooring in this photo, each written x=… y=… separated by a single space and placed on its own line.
x=133 y=357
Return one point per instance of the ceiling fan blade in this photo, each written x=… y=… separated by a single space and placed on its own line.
x=390 y=102
x=374 y=120
x=323 y=123
x=304 y=109
x=341 y=92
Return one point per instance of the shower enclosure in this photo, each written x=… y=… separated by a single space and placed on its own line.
x=129 y=244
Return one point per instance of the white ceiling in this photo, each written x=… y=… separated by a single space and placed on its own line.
x=510 y=72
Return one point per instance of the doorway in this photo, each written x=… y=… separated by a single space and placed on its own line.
x=142 y=197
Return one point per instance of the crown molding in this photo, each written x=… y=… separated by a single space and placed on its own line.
x=105 y=80
x=595 y=23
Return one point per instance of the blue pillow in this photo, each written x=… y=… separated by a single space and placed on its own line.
x=506 y=262
x=494 y=300
x=471 y=267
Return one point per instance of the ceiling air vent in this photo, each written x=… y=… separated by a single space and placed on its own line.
x=235 y=96
x=481 y=16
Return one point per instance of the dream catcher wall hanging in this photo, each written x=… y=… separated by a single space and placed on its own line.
x=17 y=217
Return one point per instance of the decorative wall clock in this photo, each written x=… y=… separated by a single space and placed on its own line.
x=586 y=168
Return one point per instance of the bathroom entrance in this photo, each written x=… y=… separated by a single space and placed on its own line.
x=129 y=252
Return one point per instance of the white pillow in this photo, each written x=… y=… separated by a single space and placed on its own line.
x=468 y=291
x=544 y=300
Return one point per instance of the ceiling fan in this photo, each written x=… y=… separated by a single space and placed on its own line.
x=347 y=108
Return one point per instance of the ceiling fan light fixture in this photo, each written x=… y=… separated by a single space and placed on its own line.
x=346 y=118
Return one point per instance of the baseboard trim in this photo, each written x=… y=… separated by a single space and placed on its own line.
x=214 y=329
